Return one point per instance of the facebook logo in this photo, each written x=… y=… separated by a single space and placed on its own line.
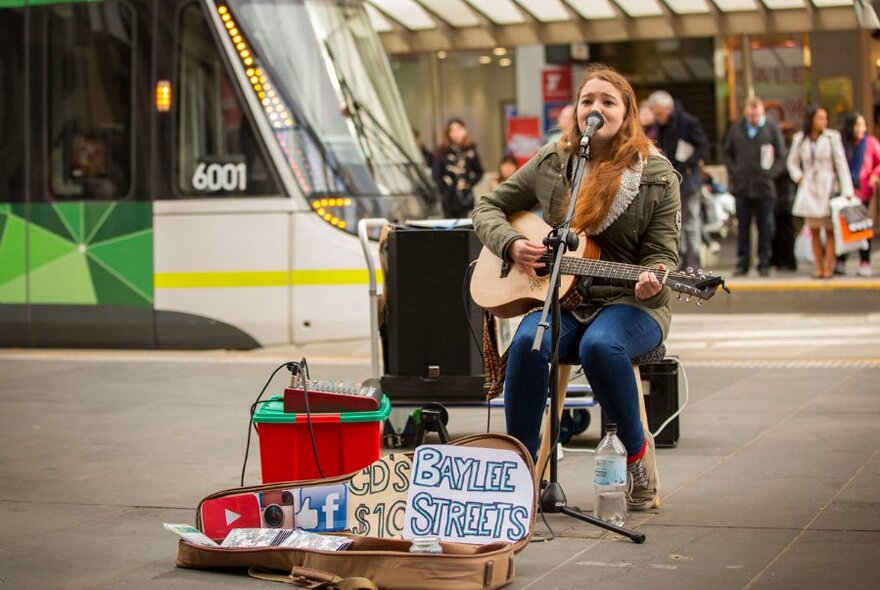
x=322 y=509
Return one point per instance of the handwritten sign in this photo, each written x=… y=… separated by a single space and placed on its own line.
x=469 y=495
x=377 y=497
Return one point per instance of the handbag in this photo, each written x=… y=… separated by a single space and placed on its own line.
x=851 y=223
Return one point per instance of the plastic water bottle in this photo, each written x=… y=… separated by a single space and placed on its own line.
x=610 y=478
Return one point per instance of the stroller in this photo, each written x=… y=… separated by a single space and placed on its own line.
x=718 y=212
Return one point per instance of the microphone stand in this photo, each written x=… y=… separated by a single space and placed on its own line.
x=560 y=240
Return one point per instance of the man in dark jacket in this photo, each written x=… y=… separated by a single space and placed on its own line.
x=754 y=153
x=683 y=141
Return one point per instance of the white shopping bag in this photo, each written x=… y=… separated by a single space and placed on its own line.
x=803 y=247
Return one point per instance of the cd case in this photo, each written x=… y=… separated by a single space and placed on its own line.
x=284 y=538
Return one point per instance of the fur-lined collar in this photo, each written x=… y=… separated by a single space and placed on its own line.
x=626 y=194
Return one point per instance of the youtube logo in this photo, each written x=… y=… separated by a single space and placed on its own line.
x=221 y=515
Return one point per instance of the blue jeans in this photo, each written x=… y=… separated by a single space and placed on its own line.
x=605 y=348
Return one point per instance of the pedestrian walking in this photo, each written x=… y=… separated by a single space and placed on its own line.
x=863 y=156
x=815 y=158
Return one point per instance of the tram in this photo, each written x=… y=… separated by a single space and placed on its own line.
x=190 y=173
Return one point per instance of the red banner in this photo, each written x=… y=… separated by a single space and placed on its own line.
x=523 y=138
x=556 y=85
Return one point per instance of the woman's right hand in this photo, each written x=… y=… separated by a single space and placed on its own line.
x=528 y=253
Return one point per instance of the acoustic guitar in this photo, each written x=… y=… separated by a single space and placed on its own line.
x=509 y=290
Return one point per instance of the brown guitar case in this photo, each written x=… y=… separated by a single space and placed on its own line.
x=371 y=562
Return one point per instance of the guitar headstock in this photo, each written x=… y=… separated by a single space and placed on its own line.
x=695 y=284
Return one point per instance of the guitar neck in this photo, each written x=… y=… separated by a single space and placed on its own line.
x=572 y=265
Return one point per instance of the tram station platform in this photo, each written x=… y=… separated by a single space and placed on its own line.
x=775 y=482
x=788 y=291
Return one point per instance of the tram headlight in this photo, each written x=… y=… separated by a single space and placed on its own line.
x=163 y=96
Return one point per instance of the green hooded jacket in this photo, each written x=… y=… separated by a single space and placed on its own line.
x=644 y=225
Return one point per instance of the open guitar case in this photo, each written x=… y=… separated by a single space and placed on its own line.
x=371 y=562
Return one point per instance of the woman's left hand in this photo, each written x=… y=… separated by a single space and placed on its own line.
x=648 y=285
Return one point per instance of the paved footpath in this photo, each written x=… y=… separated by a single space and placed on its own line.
x=775 y=482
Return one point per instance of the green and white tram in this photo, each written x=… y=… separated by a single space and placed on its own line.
x=190 y=173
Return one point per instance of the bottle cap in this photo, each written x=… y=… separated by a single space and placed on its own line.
x=611 y=428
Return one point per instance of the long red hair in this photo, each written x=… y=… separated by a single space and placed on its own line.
x=598 y=192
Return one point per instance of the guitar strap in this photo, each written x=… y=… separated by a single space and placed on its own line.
x=494 y=364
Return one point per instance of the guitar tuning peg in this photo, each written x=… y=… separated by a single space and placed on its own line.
x=679 y=297
x=688 y=300
x=699 y=303
x=690 y=270
x=700 y=273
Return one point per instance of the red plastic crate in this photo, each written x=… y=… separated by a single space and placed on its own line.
x=346 y=442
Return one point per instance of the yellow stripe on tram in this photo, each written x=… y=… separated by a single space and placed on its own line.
x=256 y=278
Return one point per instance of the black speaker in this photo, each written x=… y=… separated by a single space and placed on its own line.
x=432 y=351
x=660 y=384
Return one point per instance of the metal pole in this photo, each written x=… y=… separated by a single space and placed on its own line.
x=748 y=78
x=363 y=226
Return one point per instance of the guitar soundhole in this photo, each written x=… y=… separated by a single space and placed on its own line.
x=543 y=271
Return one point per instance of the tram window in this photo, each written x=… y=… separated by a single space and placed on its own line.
x=90 y=73
x=217 y=150
x=12 y=119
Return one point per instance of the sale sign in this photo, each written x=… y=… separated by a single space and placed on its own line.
x=377 y=497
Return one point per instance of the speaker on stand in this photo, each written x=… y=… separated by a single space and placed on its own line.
x=432 y=352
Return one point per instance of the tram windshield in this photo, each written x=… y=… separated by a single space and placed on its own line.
x=320 y=74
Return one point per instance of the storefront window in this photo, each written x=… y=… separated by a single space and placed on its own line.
x=779 y=75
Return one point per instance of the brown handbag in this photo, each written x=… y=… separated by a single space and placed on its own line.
x=371 y=562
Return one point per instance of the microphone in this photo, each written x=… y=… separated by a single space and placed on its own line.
x=595 y=121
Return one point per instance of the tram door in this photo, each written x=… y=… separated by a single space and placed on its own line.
x=77 y=241
x=222 y=225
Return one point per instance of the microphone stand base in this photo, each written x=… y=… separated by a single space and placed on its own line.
x=553 y=501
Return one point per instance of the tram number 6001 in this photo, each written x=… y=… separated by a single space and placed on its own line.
x=217 y=177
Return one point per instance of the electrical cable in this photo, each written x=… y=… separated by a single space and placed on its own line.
x=552 y=535
x=683 y=406
x=305 y=368
x=466 y=282
x=247 y=446
x=673 y=416
x=295 y=368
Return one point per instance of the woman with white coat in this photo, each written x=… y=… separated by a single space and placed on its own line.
x=816 y=156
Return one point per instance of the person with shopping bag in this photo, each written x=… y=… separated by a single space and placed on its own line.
x=815 y=158
x=863 y=155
